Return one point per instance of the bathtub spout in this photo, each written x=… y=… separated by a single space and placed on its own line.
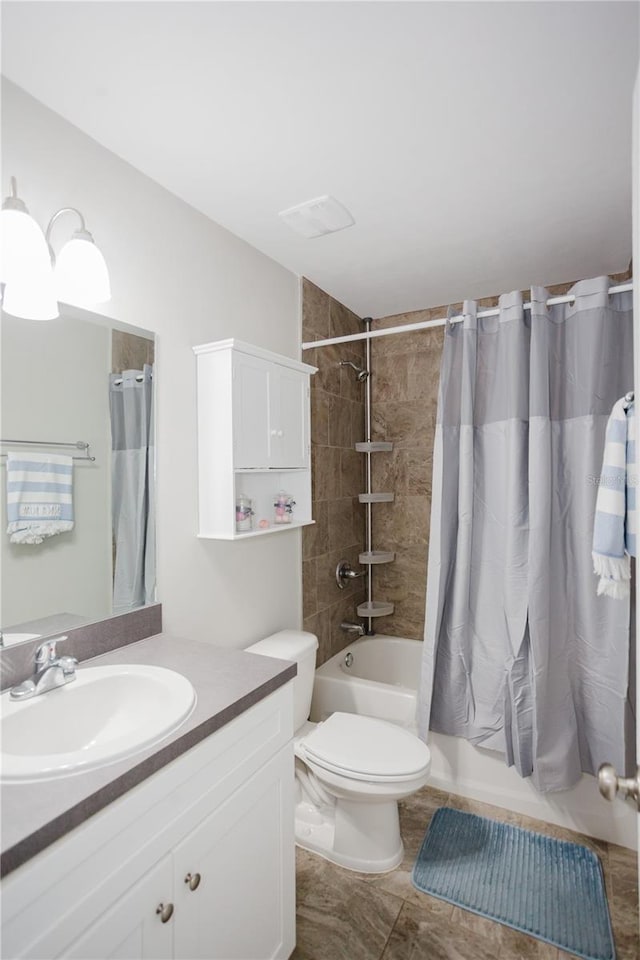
x=349 y=627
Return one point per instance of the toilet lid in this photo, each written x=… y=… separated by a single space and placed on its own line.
x=366 y=748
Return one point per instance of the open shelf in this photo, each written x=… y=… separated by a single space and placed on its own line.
x=376 y=497
x=376 y=556
x=377 y=608
x=374 y=446
x=247 y=534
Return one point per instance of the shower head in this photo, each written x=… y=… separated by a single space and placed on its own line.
x=361 y=375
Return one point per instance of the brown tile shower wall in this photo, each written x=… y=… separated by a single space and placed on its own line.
x=337 y=423
x=404 y=384
x=130 y=352
x=404 y=391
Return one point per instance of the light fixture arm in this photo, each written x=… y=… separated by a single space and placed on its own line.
x=14 y=202
x=82 y=233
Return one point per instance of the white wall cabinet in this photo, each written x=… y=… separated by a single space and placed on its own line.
x=206 y=843
x=253 y=436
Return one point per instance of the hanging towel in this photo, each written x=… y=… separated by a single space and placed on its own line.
x=39 y=496
x=614 y=532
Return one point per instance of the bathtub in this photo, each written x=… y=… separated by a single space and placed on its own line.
x=381 y=680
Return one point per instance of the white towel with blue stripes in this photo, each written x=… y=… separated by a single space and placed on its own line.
x=39 y=496
x=614 y=529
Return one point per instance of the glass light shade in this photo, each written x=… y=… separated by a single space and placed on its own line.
x=23 y=248
x=31 y=298
x=81 y=274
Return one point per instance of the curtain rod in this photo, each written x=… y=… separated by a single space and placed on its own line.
x=425 y=324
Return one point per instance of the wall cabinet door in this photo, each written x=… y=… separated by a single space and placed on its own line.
x=131 y=927
x=290 y=393
x=270 y=404
x=243 y=905
x=251 y=412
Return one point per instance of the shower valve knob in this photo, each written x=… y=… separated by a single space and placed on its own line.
x=344 y=573
x=610 y=784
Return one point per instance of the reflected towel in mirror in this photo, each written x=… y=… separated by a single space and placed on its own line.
x=39 y=496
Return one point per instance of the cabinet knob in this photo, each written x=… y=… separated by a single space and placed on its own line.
x=281 y=433
x=193 y=880
x=274 y=433
x=165 y=911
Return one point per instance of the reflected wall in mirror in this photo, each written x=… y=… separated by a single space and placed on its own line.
x=81 y=377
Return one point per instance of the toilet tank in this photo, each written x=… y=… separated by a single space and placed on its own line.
x=300 y=647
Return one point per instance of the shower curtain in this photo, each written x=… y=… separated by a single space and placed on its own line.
x=133 y=495
x=520 y=654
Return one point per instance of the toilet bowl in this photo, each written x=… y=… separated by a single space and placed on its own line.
x=351 y=771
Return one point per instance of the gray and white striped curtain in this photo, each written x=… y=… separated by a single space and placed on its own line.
x=133 y=493
x=520 y=654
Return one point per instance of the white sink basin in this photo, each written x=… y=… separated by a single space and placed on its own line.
x=105 y=714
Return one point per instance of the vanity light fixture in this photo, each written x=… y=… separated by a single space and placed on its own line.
x=25 y=264
x=80 y=271
x=34 y=278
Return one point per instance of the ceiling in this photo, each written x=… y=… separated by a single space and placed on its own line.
x=480 y=147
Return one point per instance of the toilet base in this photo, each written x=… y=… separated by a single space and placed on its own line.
x=364 y=837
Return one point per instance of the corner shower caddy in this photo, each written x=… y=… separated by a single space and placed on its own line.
x=369 y=558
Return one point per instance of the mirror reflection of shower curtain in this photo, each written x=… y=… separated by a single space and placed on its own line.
x=521 y=656
x=133 y=494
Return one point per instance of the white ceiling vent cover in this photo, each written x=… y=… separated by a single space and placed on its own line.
x=317 y=217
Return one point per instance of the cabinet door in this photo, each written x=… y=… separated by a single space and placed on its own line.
x=243 y=907
x=252 y=406
x=131 y=929
x=289 y=417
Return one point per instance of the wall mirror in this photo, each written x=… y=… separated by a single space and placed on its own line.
x=88 y=379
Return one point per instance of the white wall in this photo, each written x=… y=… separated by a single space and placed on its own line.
x=55 y=387
x=176 y=273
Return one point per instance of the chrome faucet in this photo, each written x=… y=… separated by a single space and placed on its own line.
x=349 y=627
x=51 y=671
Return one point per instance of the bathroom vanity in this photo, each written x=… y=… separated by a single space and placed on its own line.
x=185 y=850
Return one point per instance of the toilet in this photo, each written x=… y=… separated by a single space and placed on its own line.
x=351 y=771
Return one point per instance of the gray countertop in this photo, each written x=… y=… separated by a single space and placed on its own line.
x=227 y=682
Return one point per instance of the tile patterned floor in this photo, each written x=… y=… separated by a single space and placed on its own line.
x=343 y=915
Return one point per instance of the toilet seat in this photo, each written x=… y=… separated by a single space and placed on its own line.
x=365 y=748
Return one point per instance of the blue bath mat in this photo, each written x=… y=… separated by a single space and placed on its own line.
x=545 y=887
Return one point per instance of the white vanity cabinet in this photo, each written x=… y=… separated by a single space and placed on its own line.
x=206 y=845
x=253 y=436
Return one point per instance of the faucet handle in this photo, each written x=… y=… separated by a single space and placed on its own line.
x=68 y=665
x=46 y=652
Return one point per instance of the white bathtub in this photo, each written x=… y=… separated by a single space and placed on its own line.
x=382 y=680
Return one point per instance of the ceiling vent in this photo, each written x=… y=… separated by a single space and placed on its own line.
x=317 y=217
